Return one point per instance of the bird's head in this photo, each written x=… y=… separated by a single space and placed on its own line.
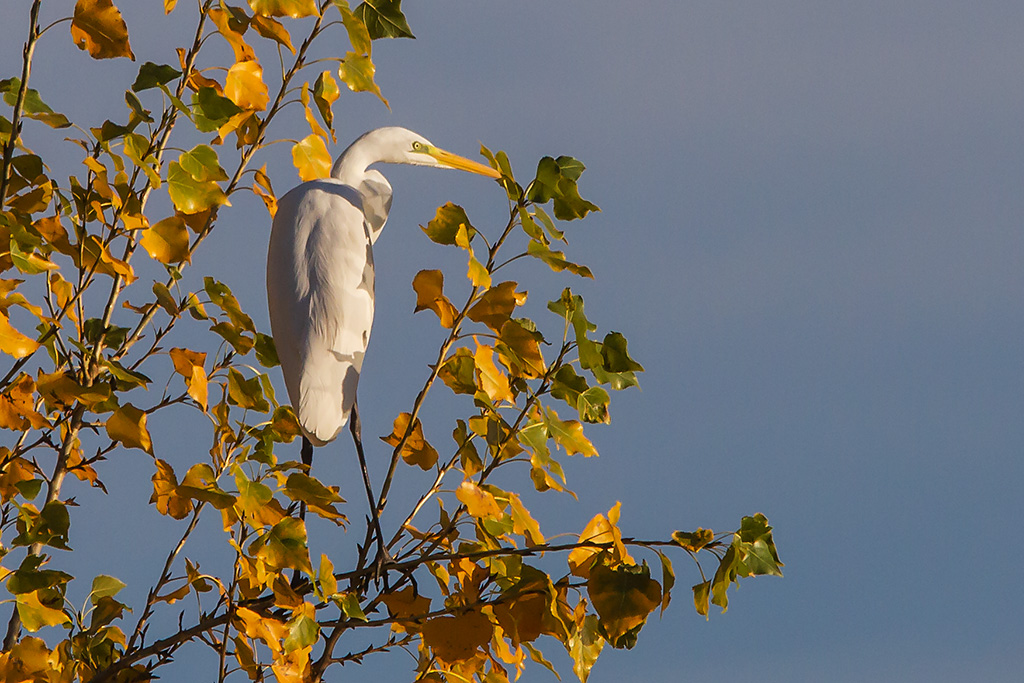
x=394 y=145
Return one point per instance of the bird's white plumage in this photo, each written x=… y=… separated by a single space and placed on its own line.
x=320 y=293
x=320 y=274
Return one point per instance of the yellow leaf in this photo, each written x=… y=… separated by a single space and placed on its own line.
x=96 y=255
x=477 y=273
x=245 y=87
x=261 y=186
x=314 y=125
x=357 y=71
x=479 y=502
x=99 y=28
x=311 y=158
x=428 y=285
x=167 y=241
x=416 y=450
x=41 y=608
x=603 y=530
x=285 y=8
x=568 y=435
x=17 y=406
x=128 y=425
x=492 y=381
x=241 y=48
x=358 y=34
x=523 y=522
x=189 y=364
x=14 y=343
x=169 y=6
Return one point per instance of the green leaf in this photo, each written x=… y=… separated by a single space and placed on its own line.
x=616 y=359
x=758 y=552
x=29 y=577
x=384 y=19
x=556 y=180
x=212 y=110
x=221 y=296
x=668 y=580
x=325 y=92
x=303 y=632
x=701 y=595
x=127 y=379
x=593 y=406
x=445 y=225
x=191 y=195
x=33 y=105
x=266 y=352
x=48 y=526
x=104 y=587
x=202 y=164
x=154 y=75
x=246 y=393
x=724 y=575
x=459 y=372
x=139 y=113
x=349 y=604
x=556 y=259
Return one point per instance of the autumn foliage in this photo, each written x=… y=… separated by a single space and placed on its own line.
x=95 y=345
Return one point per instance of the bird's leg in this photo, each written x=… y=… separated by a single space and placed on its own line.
x=382 y=551
x=307 y=460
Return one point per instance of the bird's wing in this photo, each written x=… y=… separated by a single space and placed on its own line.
x=320 y=294
x=376 y=191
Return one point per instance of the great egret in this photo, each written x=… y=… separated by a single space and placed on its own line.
x=320 y=279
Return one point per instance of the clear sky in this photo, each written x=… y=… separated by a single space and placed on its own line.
x=811 y=234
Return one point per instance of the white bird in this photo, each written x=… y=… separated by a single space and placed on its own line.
x=320 y=276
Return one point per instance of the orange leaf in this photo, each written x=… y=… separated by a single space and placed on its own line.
x=455 y=639
x=128 y=425
x=428 y=285
x=99 y=28
x=416 y=450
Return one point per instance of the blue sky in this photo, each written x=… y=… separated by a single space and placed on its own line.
x=811 y=235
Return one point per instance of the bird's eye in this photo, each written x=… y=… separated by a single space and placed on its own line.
x=417 y=146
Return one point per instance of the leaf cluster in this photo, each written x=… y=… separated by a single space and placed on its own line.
x=106 y=328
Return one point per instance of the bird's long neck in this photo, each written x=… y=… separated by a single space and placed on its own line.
x=351 y=166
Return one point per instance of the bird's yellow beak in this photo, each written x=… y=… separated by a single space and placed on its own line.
x=462 y=163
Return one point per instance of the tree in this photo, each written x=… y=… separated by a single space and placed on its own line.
x=100 y=308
